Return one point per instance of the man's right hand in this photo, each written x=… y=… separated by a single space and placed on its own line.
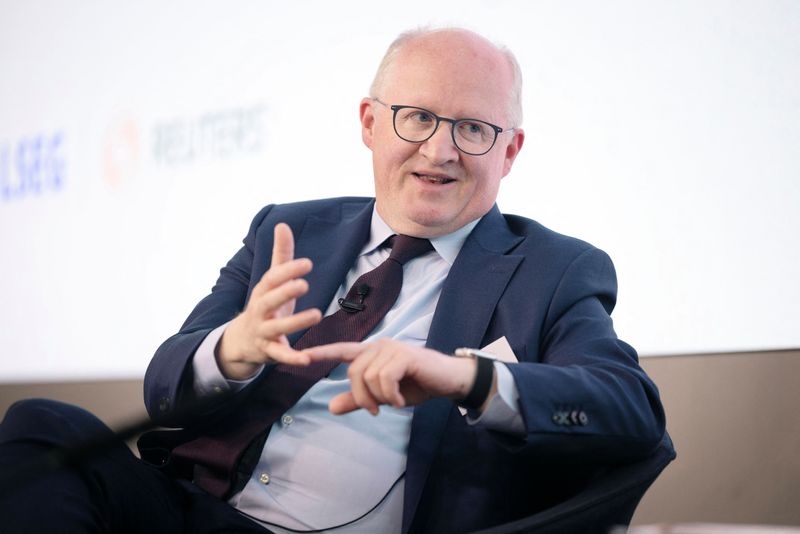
x=258 y=334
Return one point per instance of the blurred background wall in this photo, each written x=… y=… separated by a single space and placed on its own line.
x=138 y=140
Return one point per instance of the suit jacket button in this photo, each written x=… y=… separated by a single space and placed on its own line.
x=163 y=404
x=573 y=417
x=561 y=418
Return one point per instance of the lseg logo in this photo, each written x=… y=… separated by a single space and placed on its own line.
x=32 y=166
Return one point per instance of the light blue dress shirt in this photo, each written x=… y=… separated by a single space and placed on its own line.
x=321 y=472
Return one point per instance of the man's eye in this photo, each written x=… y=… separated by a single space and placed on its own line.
x=422 y=116
x=471 y=129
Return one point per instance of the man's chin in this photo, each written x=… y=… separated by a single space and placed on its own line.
x=422 y=219
x=428 y=224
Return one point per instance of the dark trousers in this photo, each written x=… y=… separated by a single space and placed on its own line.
x=112 y=492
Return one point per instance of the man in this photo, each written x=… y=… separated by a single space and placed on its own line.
x=379 y=444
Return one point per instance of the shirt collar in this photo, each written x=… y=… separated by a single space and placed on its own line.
x=447 y=246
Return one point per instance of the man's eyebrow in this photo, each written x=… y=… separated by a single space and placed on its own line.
x=459 y=117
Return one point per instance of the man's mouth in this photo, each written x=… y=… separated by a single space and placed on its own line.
x=434 y=179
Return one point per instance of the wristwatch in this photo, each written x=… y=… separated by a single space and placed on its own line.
x=484 y=376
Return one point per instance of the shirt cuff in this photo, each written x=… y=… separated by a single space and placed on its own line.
x=502 y=412
x=208 y=379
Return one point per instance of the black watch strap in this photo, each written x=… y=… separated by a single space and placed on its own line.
x=484 y=377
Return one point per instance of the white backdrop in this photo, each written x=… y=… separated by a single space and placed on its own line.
x=137 y=140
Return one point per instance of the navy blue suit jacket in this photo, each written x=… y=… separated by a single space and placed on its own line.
x=548 y=294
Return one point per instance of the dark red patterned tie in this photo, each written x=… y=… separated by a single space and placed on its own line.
x=217 y=455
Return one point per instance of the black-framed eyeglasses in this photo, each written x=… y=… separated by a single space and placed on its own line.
x=416 y=125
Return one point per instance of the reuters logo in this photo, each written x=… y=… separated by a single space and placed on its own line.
x=121 y=152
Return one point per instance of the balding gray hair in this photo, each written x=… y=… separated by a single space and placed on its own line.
x=514 y=98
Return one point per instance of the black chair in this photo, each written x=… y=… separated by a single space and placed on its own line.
x=606 y=502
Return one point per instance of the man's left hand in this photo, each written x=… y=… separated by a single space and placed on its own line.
x=391 y=372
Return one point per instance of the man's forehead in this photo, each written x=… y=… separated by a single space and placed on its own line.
x=460 y=80
x=453 y=48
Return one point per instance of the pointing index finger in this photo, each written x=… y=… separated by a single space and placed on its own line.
x=343 y=351
x=283 y=244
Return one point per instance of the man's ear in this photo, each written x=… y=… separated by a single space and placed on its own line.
x=367 y=116
x=512 y=149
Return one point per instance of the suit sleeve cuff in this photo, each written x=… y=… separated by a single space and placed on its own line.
x=208 y=379
x=502 y=412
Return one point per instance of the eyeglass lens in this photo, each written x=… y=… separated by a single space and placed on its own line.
x=417 y=125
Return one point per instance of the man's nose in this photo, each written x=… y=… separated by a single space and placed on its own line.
x=440 y=149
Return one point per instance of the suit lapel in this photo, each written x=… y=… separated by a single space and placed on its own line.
x=470 y=294
x=332 y=244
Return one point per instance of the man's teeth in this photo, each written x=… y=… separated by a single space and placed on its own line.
x=434 y=179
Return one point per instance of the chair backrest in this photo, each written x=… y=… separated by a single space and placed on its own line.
x=606 y=502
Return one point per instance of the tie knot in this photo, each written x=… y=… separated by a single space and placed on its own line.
x=405 y=248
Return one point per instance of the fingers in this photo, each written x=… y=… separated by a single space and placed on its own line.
x=246 y=344
x=283 y=353
x=283 y=244
x=282 y=273
x=258 y=334
x=283 y=266
x=270 y=342
x=343 y=351
x=360 y=394
x=264 y=304
x=343 y=403
x=376 y=372
x=293 y=323
x=381 y=377
x=361 y=391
